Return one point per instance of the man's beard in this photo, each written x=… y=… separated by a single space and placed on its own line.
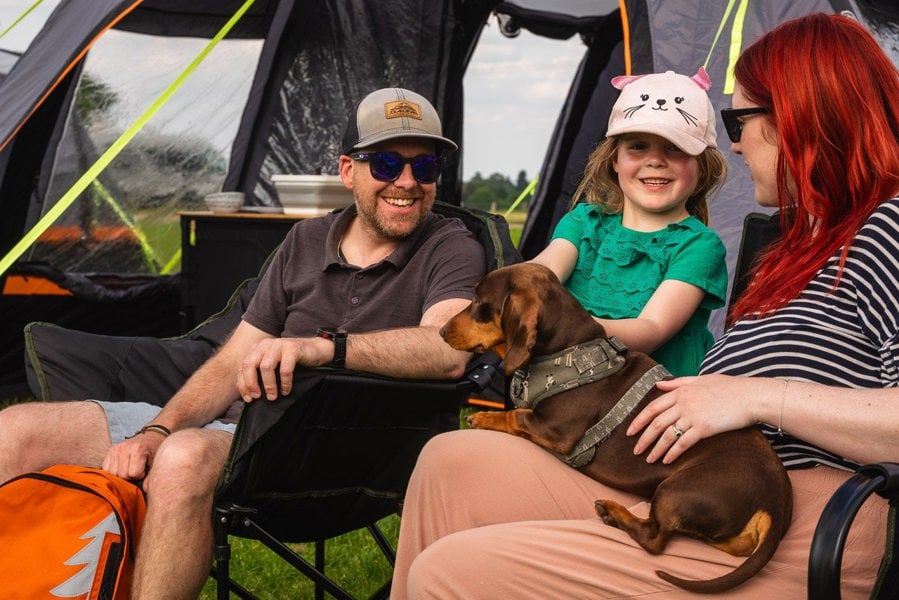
x=384 y=227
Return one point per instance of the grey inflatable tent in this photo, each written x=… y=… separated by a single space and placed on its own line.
x=272 y=97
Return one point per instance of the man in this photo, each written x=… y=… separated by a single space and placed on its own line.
x=386 y=266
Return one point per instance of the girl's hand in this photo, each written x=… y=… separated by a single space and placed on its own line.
x=692 y=408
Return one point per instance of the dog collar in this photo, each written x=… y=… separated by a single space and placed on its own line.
x=547 y=376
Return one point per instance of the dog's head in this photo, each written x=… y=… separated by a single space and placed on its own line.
x=514 y=313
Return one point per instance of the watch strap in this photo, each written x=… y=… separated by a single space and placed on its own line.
x=339 y=338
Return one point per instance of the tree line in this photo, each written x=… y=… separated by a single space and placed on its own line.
x=495 y=193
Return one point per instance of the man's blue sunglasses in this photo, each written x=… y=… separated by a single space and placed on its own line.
x=387 y=166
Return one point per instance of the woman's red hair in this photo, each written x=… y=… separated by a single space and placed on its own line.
x=832 y=93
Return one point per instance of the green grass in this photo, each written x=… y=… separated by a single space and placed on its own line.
x=516 y=224
x=353 y=560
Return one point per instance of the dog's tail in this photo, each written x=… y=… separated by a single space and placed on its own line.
x=752 y=565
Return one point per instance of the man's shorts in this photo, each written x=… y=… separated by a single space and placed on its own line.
x=125 y=418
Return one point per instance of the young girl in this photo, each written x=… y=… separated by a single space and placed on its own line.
x=638 y=254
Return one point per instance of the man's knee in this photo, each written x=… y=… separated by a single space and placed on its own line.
x=188 y=463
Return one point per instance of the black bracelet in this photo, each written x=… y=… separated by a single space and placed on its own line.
x=160 y=429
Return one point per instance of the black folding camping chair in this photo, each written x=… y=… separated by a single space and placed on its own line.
x=331 y=457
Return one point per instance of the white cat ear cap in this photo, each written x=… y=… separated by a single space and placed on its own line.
x=673 y=106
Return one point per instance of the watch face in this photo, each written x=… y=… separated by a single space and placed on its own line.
x=330 y=333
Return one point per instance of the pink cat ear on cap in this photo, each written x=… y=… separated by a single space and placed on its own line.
x=667 y=104
x=622 y=80
x=702 y=79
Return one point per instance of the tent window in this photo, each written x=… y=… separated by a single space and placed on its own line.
x=128 y=219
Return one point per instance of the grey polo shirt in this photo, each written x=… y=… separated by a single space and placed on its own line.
x=308 y=285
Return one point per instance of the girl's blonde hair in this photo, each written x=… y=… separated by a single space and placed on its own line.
x=600 y=186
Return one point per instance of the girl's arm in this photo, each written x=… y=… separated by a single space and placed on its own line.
x=560 y=256
x=668 y=310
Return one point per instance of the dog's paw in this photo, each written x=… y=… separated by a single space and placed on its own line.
x=473 y=420
x=604 y=514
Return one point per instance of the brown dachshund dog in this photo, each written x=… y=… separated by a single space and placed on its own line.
x=730 y=490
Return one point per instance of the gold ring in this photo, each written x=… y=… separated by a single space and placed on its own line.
x=677 y=431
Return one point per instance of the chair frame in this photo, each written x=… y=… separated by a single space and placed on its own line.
x=241 y=518
x=826 y=556
x=228 y=520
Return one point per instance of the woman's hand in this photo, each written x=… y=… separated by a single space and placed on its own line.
x=692 y=408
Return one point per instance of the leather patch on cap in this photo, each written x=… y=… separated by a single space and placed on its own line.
x=402 y=108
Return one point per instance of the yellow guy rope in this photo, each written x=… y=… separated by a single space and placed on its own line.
x=528 y=190
x=20 y=17
x=54 y=213
x=736 y=41
x=105 y=197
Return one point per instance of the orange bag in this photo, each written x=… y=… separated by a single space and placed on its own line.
x=69 y=532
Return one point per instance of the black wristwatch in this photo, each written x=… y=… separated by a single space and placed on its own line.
x=339 y=339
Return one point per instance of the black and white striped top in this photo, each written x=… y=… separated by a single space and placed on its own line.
x=848 y=336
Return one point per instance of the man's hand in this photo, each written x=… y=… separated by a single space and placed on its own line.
x=132 y=458
x=279 y=357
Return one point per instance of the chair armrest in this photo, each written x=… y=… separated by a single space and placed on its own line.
x=826 y=554
x=476 y=378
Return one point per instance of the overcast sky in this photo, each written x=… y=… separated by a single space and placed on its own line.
x=514 y=89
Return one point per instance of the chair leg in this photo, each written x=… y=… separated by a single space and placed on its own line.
x=221 y=570
x=224 y=520
x=383 y=543
x=295 y=560
x=320 y=566
x=221 y=553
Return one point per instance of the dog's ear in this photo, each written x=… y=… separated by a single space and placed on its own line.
x=519 y=323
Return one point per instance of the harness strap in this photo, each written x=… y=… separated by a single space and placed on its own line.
x=585 y=449
x=547 y=376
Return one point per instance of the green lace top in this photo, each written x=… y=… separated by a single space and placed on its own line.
x=618 y=269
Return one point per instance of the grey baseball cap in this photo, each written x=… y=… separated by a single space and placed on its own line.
x=392 y=113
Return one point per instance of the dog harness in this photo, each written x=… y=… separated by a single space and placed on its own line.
x=579 y=365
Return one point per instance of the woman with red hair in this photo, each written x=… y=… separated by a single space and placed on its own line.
x=811 y=358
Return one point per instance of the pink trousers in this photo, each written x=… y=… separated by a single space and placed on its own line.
x=489 y=515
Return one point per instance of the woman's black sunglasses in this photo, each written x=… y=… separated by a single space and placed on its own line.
x=387 y=166
x=732 y=123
